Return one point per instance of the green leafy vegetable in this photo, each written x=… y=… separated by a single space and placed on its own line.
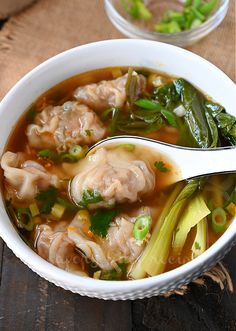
x=101 y=220
x=160 y=165
x=167 y=96
x=213 y=130
x=195 y=117
x=226 y=123
x=90 y=197
x=47 y=199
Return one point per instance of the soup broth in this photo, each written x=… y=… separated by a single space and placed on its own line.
x=115 y=214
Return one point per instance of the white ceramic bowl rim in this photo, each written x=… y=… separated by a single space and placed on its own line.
x=49 y=271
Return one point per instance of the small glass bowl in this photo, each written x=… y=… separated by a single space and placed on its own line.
x=184 y=38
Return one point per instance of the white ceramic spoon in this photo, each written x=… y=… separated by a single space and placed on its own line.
x=192 y=162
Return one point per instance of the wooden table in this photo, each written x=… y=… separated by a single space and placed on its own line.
x=28 y=302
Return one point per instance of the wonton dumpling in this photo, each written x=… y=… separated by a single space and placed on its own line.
x=25 y=178
x=107 y=93
x=55 y=247
x=115 y=176
x=89 y=247
x=119 y=244
x=61 y=127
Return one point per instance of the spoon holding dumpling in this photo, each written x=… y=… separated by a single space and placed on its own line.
x=188 y=162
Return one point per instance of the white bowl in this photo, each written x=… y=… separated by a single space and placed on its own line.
x=140 y=53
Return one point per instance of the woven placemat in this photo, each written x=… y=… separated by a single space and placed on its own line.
x=49 y=27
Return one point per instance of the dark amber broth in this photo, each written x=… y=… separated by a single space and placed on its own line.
x=64 y=92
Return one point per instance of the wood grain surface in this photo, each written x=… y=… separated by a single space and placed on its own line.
x=28 y=302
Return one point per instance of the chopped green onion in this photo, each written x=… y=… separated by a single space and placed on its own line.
x=144 y=12
x=198 y=15
x=24 y=219
x=34 y=209
x=128 y=147
x=77 y=152
x=137 y=9
x=218 y=220
x=196 y=3
x=48 y=153
x=169 y=116
x=67 y=157
x=148 y=104
x=170 y=27
x=97 y=274
x=141 y=227
x=57 y=210
x=206 y=8
x=231 y=208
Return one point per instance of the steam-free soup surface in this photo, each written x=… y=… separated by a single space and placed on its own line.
x=114 y=214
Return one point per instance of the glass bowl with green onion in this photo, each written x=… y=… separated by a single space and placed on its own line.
x=177 y=22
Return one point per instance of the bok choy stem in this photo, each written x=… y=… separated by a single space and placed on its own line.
x=138 y=270
x=200 y=242
x=193 y=214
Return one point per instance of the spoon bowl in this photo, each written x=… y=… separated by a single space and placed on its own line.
x=188 y=162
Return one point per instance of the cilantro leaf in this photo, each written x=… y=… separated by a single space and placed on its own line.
x=88 y=132
x=197 y=246
x=101 y=220
x=47 y=199
x=160 y=165
x=89 y=197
